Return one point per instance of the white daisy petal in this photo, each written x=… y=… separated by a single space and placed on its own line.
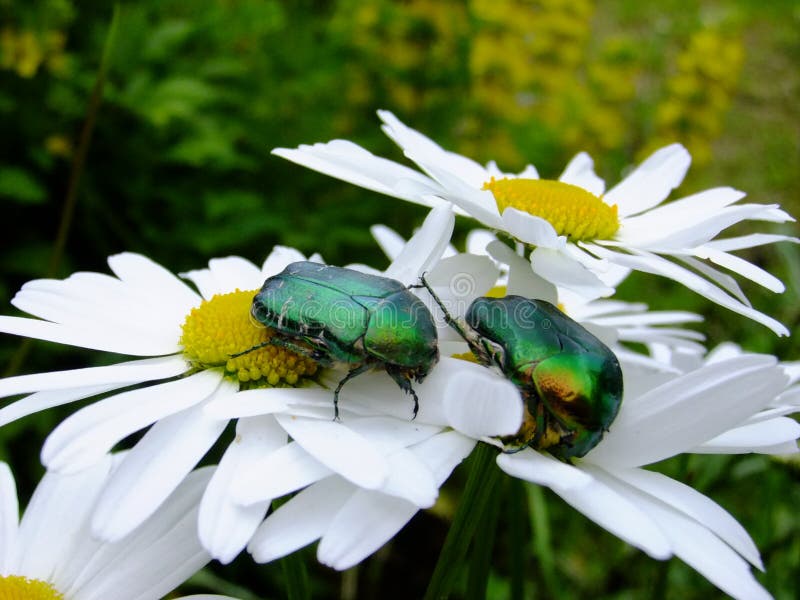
x=9 y=518
x=651 y=182
x=388 y=239
x=618 y=513
x=281 y=472
x=366 y=522
x=688 y=411
x=696 y=506
x=225 y=275
x=531 y=229
x=144 y=480
x=96 y=338
x=742 y=267
x=425 y=248
x=280 y=258
x=479 y=403
x=697 y=545
x=410 y=478
x=723 y=280
x=443 y=452
x=349 y=162
x=118 y=375
x=339 y=448
x=753 y=437
x=543 y=469
x=159 y=556
x=557 y=268
x=92 y=431
x=580 y=172
x=301 y=521
x=225 y=527
x=522 y=280
x=749 y=241
x=58 y=504
x=650 y=263
x=478 y=240
x=460 y=279
x=251 y=403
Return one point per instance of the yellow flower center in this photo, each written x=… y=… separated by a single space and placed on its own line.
x=571 y=210
x=221 y=327
x=17 y=587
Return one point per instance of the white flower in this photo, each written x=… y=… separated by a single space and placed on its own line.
x=50 y=550
x=652 y=511
x=580 y=236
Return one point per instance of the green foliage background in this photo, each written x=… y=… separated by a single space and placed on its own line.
x=179 y=168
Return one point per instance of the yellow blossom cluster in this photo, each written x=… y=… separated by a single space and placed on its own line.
x=25 y=51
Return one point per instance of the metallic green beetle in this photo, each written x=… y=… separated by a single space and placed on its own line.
x=335 y=315
x=570 y=382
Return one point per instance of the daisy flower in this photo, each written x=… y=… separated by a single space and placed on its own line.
x=651 y=511
x=195 y=387
x=50 y=554
x=579 y=234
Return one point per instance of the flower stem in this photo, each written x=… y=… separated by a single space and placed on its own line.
x=517 y=513
x=295 y=574
x=480 y=563
x=542 y=545
x=482 y=484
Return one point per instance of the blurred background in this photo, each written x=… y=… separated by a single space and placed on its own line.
x=163 y=147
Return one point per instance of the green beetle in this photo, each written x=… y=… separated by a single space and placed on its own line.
x=340 y=316
x=570 y=382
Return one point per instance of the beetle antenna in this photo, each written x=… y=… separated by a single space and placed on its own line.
x=449 y=319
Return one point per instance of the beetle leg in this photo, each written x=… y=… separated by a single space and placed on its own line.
x=256 y=347
x=350 y=374
x=316 y=355
x=404 y=381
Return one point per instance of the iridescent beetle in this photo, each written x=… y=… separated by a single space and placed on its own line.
x=337 y=315
x=570 y=382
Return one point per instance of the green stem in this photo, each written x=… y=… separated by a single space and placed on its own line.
x=295 y=575
x=518 y=509
x=480 y=563
x=76 y=170
x=542 y=545
x=481 y=485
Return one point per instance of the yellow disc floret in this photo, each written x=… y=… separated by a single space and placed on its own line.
x=221 y=327
x=571 y=210
x=17 y=587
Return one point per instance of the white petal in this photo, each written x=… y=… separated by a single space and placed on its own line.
x=566 y=272
x=480 y=404
x=225 y=527
x=156 y=558
x=410 y=478
x=742 y=267
x=700 y=548
x=9 y=518
x=251 y=403
x=92 y=431
x=543 y=469
x=152 y=470
x=531 y=229
x=750 y=241
x=688 y=410
x=285 y=470
x=225 y=275
x=60 y=503
x=281 y=257
x=443 y=452
x=300 y=521
x=522 y=281
x=753 y=437
x=651 y=263
x=349 y=162
x=459 y=280
x=425 y=248
x=695 y=505
x=96 y=338
x=118 y=375
x=580 y=172
x=478 y=240
x=366 y=522
x=617 y=512
x=339 y=448
x=388 y=434
x=651 y=182
x=388 y=239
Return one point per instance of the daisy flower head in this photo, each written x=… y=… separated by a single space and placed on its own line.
x=579 y=235
x=49 y=554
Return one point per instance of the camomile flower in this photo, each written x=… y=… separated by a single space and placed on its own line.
x=651 y=511
x=191 y=373
x=50 y=554
x=579 y=235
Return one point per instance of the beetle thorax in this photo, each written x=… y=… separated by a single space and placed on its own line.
x=222 y=327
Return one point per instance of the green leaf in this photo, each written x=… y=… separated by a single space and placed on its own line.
x=19 y=185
